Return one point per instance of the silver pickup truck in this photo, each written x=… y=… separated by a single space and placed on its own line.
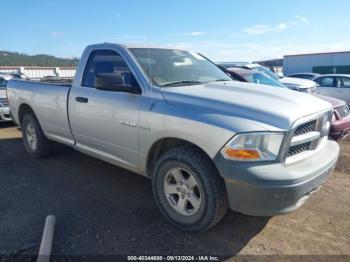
x=207 y=143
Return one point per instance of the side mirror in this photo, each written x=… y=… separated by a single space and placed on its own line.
x=116 y=83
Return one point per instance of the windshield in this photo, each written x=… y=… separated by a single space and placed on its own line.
x=266 y=71
x=2 y=83
x=170 y=67
x=261 y=78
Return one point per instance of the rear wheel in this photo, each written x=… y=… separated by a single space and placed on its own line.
x=188 y=189
x=35 y=142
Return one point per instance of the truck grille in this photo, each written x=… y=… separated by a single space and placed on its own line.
x=307 y=136
x=305 y=128
x=4 y=102
x=293 y=150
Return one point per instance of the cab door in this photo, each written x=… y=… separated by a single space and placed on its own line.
x=104 y=122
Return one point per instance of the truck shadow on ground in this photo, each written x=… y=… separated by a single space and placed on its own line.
x=7 y=124
x=100 y=209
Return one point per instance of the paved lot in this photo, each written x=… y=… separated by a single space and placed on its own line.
x=102 y=209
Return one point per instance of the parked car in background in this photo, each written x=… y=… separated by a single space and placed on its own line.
x=56 y=79
x=19 y=75
x=309 y=76
x=15 y=75
x=301 y=85
x=340 y=126
x=252 y=76
x=4 y=105
x=334 y=85
x=297 y=84
x=233 y=64
x=207 y=142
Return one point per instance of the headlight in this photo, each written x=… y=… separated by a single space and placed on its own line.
x=262 y=146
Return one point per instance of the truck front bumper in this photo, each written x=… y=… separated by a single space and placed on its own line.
x=5 y=114
x=267 y=189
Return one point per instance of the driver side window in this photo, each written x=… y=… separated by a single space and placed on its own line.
x=107 y=64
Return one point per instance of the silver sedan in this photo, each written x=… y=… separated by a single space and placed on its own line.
x=335 y=85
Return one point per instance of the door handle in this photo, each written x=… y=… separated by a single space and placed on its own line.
x=81 y=99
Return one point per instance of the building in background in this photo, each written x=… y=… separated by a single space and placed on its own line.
x=322 y=63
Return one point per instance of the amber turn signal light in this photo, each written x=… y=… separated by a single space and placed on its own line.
x=242 y=153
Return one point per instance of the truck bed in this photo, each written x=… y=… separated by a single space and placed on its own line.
x=48 y=101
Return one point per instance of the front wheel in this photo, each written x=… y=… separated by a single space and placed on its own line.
x=188 y=189
x=35 y=142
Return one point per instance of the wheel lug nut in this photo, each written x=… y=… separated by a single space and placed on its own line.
x=178 y=189
x=182 y=196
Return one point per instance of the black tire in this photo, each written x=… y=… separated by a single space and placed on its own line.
x=44 y=146
x=213 y=195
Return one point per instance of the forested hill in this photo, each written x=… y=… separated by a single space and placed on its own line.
x=18 y=59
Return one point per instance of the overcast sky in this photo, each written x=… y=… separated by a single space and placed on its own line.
x=223 y=30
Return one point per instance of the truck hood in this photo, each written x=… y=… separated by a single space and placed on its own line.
x=270 y=107
x=302 y=83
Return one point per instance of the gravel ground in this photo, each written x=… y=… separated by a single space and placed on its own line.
x=102 y=209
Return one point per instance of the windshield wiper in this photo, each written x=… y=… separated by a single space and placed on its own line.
x=181 y=82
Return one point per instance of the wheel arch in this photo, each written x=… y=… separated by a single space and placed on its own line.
x=164 y=144
x=23 y=110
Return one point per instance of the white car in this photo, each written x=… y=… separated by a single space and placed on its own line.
x=298 y=84
x=335 y=85
x=4 y=105
x=309 y=76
